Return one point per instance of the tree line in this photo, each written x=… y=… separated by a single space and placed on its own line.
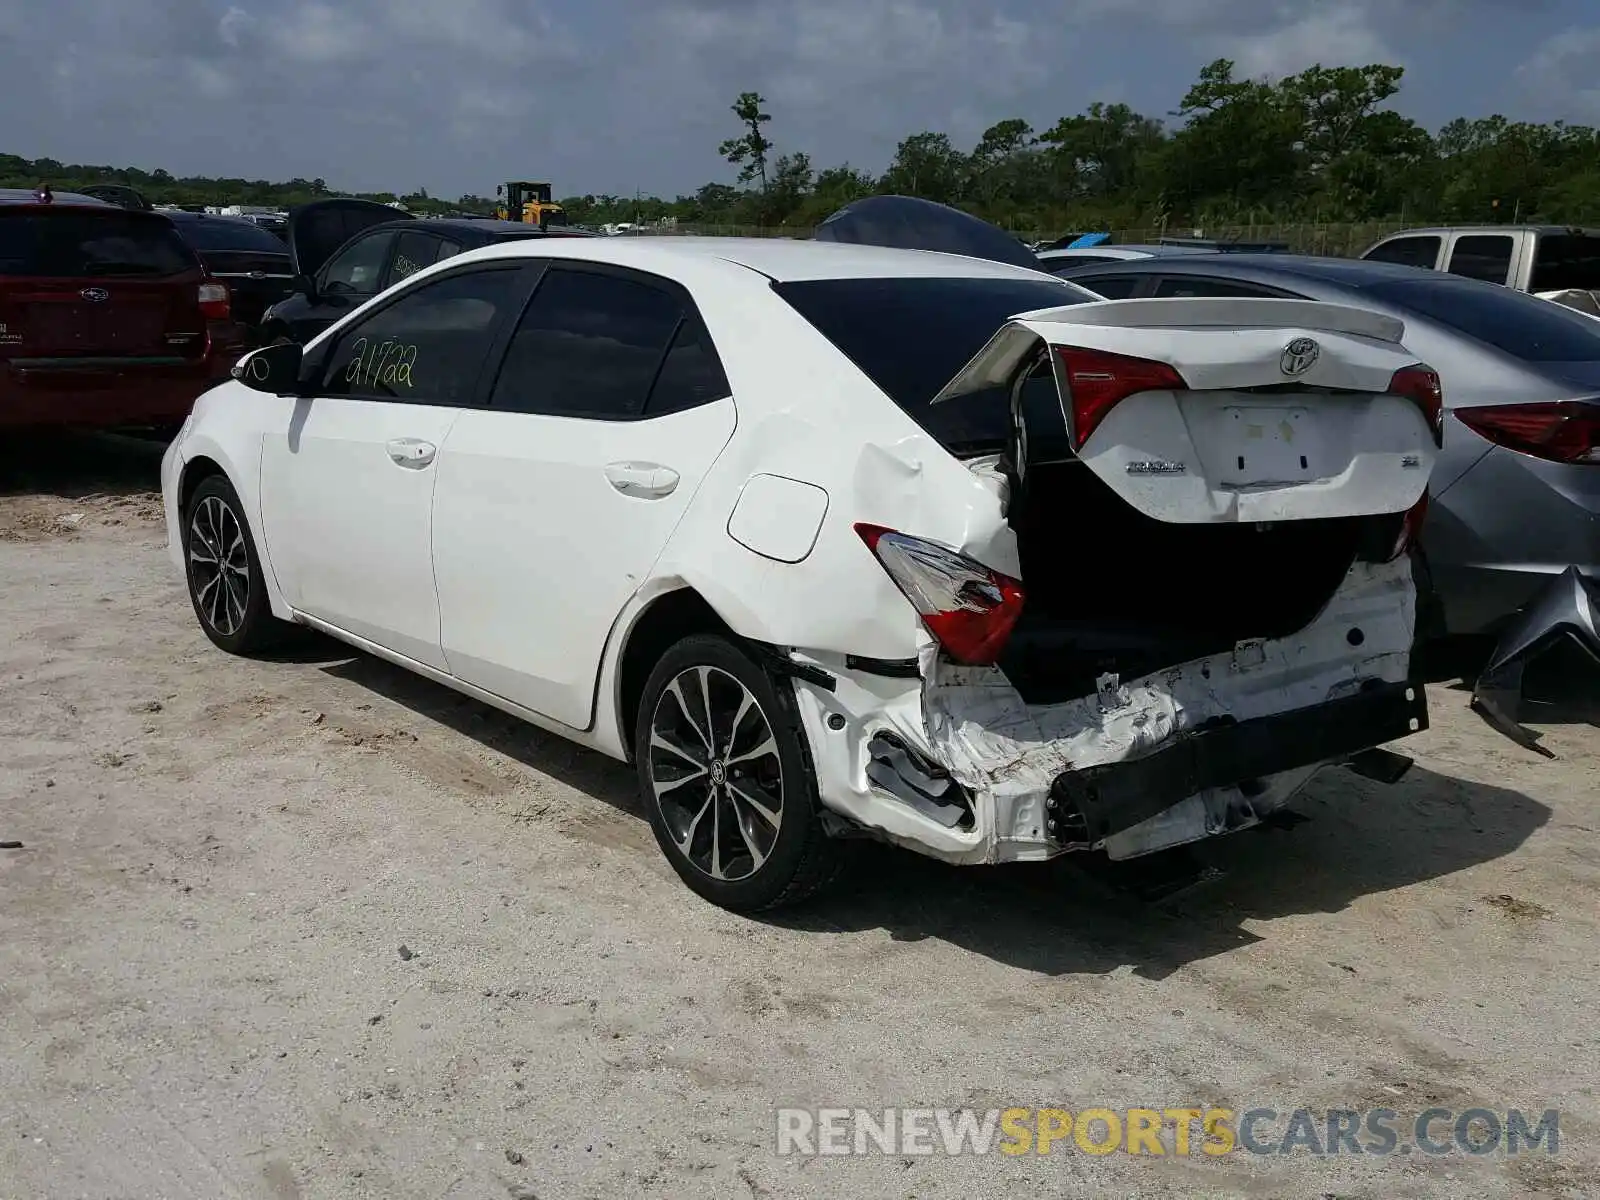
x=1322 y=146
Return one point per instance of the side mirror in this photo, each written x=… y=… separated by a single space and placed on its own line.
x=303 y=285
x=271 y=369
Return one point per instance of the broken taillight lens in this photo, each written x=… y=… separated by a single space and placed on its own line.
x=1422 y=387
x=969 y=608
x=1098 y=381
x=1563 y=431
x=1410 y=528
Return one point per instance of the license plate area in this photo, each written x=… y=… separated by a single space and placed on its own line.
x=96 y=327
x=1267 y=445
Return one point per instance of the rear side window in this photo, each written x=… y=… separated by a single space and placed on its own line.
x=412 y=252
x=911 y=335
x=229 y=233
x=92 y=245
x=1565 y=261
x=1408 y=251
x=1482 y=256
x=1520 y=325
x=429 y=345
x=592 y=345
x=1192 y=285
x=1112 y=287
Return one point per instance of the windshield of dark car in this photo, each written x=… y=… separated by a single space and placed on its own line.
x=911 y=335
x=1513 y=322
x=91 y=243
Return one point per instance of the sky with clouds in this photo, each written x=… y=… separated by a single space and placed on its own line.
x=619 y=95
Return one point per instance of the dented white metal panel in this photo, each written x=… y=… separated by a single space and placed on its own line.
x=1230 y=456
x=1007 y=753
x=1213 y=342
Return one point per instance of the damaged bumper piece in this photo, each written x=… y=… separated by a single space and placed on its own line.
x=955 y=764
x=1567 y=610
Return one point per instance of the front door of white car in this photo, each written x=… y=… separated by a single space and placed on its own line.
x=347 y=489
x=556 y=498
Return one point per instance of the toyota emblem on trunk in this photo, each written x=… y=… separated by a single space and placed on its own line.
x=95 y=295
x=1298 y=356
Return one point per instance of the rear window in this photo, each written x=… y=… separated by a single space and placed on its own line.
x=1520 y=325
x=1565 y=261
x=93 y=245
x=222 y=233
x=911 y=336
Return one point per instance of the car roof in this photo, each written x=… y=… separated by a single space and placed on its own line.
x=1444 y=230
x=180 y=217
x=31 y=196
x=1148 y=249
x=1266 y=268
x=783 y=260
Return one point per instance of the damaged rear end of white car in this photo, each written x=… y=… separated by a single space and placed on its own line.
x=1186 y=590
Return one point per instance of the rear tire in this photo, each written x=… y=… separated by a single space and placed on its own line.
x=726 y=777
x=226 y=586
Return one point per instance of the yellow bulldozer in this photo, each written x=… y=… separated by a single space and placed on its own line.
x=529 y=203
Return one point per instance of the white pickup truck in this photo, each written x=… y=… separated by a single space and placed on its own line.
x=1560 y=263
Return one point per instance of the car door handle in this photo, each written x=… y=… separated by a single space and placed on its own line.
x=411 y=452
x=648 y=481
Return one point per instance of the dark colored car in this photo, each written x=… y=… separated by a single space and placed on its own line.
x=119 y=194
x=107 y=316
x=1516 y=492
x=347 y=251
x=254 y=264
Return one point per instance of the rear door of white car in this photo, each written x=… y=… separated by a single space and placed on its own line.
x=347 y=487
x=555 y=499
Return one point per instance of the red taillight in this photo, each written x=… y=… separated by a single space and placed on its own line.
x=1421 y=386
x=1563 y=431
x=1097 y=382
x=1410 y=527
x=969 y=608
x=215 y=304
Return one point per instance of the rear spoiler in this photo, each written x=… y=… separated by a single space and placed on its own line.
x=995 y=364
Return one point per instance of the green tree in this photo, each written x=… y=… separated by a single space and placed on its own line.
x=927 y=165
x=749 y=150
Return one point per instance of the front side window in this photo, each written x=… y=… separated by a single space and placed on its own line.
x=1566 y=260
x=357 y=270
x=589 y=345
x=429 y=345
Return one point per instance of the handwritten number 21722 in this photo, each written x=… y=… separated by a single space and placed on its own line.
x=389 y=363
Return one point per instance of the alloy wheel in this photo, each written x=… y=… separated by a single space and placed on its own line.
x=714 y=769
x=219 y=565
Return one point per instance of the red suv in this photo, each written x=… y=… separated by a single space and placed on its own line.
x=107 y=317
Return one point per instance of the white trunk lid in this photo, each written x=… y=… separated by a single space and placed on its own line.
x=1285 y=414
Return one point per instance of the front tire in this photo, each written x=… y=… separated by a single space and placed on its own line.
x=726 y=777
x=223 y=569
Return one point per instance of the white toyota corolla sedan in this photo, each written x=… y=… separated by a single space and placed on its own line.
x=837 y=541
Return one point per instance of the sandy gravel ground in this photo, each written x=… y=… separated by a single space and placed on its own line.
x=202 y=991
